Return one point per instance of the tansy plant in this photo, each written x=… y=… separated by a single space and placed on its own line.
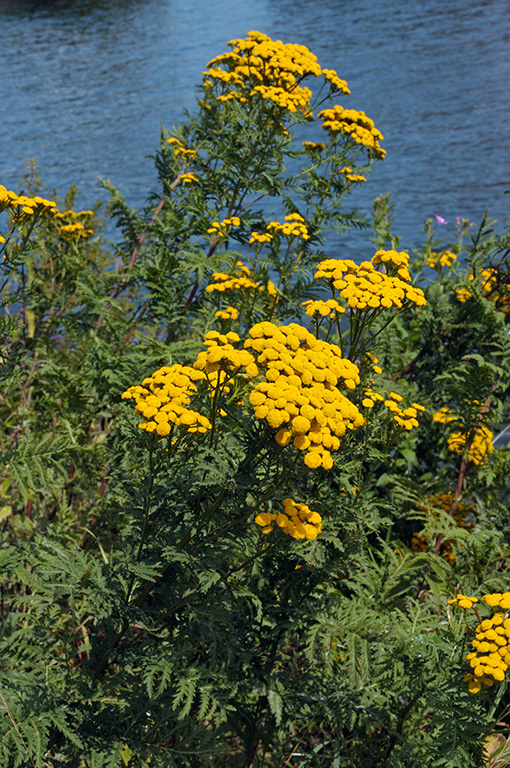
x=243 y=474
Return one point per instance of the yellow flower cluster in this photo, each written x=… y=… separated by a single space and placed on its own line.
x=463 y=601
x=444 y=416
x=329 y=308
x=239 y=279
x=491 y=657
x=396 y=262
x=498 y=600
x=463 y=517
x=260 y=237
x=221 y=354
x=403 y=417
x=374 y=361
x=293 y=226
x=313 y=146
x=297 y=520
x=444 y=259
x=258 y=67
x=356 y=124
x=73 y=229
x=500 y=297
x=229 y=313
x=350 y=175
x=188 y=178
x=295 y=100
x=480 y=448
x=300 y=397
x=163 y=400
x=180 y=150
x=23 y=207
x=73 y=214
x=76 y=230
x=364 y=287
x=220 y=228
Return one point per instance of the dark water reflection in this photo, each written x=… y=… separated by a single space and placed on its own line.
x=84 y=87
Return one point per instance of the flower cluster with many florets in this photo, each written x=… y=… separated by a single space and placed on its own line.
x=300 y=396
x=363 y=286
x=491 y=658
x=481 y=444
x=292 y=227
x=237 y=280
x=23 y=207
x=163 y=400
x=297 y=519
x=356 y=124
x=297 y=392
x=261 y=68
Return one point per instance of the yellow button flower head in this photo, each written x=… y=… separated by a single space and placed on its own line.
x=70 y=231
x=350 y=175
x=222 y=354
x=180 y=150
x=375 y=362
x=497 y=599
x=444 y=416
x=221 y=228
x=329 y=308
x=313 y=146
x=444 y=259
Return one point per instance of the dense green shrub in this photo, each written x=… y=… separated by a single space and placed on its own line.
x=275 y=560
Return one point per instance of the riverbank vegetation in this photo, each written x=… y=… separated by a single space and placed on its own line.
x=254 y=496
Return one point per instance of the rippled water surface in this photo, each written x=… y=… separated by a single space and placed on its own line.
x=85 y=87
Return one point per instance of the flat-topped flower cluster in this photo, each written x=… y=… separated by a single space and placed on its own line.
x=23 y=207
x=490 y=659
x=481 y=443
x=492 y=287
x=297 y=520
x=300 y=395
x=292 y=227
x=403 y=417
x=297 y=392
x=237 y=280
x=364 y=286
x=258 y=67
x=356 y=124
x=163 y=399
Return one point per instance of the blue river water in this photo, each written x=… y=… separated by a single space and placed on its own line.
x=85 y=87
